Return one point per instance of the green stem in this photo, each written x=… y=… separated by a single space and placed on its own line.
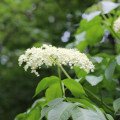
x=61 y=84
x=114 y=33
x=59 y=74
x=98 y=99
x=64 y=71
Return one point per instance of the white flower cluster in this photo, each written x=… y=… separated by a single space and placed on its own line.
x=49 y=55
x=116 y=25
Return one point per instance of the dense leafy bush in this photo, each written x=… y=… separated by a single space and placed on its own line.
x=83 y=96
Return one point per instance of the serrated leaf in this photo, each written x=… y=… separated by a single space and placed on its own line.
x=45 y=83
x=54 y=91
x=91 y=15
x=84 y=114
x=75 y=87
x=108 y=6
x=94 y=80
x=61 y=111
x=110 y=70
x=116 y=104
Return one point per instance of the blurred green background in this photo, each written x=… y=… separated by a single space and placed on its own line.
x=24 y=23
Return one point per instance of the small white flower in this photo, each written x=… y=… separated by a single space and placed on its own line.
x=116 y=25
x=49 y=55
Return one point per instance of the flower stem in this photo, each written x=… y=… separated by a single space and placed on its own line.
x=59 y=72
x=61 y=85
x=64 y=71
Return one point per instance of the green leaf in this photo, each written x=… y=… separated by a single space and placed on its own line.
x=34 y=114
x=80 y=37
x=45 y=111
x=94 y=80
x=55 y=102
x=45 y=83
x=110 y=70
x=75 y=87
x=79 y=72
x=84 y=103
x=50 y=106
x=118 y=59
x=116 y=105
x=80 y=41
x=85 y=25
x=84 y=114
x=82 y=45
x=109 y=117
x=91 y=15
x=86 y=32
x=92 y=33
x=61 y=111
x=21 y=116
x=54 y=91
x=107 y=6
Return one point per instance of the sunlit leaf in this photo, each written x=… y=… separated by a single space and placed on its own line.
x=61 y=111
x=107 y=6
x=52 y=104
x=45 y=83
x=116 y=104
x=91 y=15
x=21 y=116
x=79 y=72
x=110 y=70
x=94 y=80
x=109 y=117
x=80 y=37
x=54 y=91
x=83 y=103
x=75 y=87
x=34 y=114
x=84 y=114
x=118 y=59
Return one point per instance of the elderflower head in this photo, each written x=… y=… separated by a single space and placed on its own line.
x=116 y=25
x=49 y=55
